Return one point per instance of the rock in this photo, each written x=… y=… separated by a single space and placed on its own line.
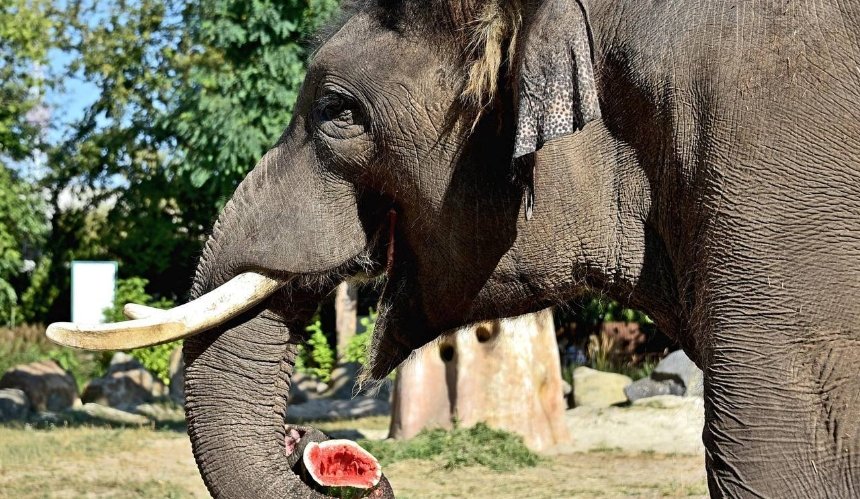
x=665 y=425
x=47 y=385
x=566 y=389
x=342 y=384
x=647 y=387
x=696 y=386
x=122 y=361
x=297 y=395
x=104 y=414
x=679 y=367
x=506 y=374
x=321 y=387
x=162 y=413
x=334 y=409
x=662 y=402
x=126 y=385
x=593 y=388
x=177 y=376
x=14 y=405
x=307 y=384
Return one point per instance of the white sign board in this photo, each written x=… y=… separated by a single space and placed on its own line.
x=93 y=289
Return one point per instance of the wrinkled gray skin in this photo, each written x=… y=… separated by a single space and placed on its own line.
x=718 y=192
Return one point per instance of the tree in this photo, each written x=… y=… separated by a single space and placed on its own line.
x=25 y=38
x=190 y=95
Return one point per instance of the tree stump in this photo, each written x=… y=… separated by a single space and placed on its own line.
x=504 y=373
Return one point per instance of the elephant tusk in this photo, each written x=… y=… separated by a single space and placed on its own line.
x=135 y=311
x=153 y=326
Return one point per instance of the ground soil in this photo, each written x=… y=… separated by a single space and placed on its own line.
x=616 y=452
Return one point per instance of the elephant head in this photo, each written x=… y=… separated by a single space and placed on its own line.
x=409 y=158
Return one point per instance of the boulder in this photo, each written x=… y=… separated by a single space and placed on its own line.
x=647 y=387
x=504 y=373
x=126 y=385
x=304 y=383
x=677 y=366
x=334 y=409
x=14 y=405
x=47 y=385
x=593 y=388
x=103 y=414
x=297 y=395
x=665 y=402
x=166 y=412
x=342 y=384
x=177 y=376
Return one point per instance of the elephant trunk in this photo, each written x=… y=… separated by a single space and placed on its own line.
x=237 y=380
x=237 y=383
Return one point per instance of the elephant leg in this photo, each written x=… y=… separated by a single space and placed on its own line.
x=782 y=411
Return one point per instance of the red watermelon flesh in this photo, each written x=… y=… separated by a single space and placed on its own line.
x=341 y=463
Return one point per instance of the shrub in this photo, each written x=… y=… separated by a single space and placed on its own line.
x=156 y=358
x=604 y=355
x=479 y=445
x=356 y=349
x=316 y=357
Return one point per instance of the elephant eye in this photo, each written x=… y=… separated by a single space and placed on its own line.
x=336 y=109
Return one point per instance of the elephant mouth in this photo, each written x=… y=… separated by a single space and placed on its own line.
x=389 y=347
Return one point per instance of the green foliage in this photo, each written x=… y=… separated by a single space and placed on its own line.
x=597 y=309
x=23 y=226
x=356 y=349
x=316 y=357
x=155 y=358
x=26 y=35
x=190 y=96
x=479 y=445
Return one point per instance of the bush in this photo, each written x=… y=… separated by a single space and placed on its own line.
x=604 y=356
x=356 y=349
x=156 y=358
x=316 y=357
x=479 y=445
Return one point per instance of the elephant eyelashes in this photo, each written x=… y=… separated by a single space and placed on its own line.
x=336 y=109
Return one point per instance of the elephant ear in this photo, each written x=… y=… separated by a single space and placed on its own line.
x=556 y=90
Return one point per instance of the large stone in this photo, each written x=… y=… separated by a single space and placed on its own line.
x=593 y=388
x=342 y=384
x=647 y=387
x=47 y=385
x=127 y=385
x=103 y=414
x=504 y=373
x=677 y=366
x=14 y=405
x=177 y=376
x=335 y=409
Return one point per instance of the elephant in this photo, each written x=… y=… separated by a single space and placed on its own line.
x=697 y=160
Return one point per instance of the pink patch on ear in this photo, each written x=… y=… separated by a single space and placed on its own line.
x=341 y=463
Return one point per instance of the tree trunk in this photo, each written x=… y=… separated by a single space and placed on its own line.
x=505 y=373
x=346 y=318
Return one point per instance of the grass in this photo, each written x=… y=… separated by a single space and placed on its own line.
x=479 y=445
x=69 y=462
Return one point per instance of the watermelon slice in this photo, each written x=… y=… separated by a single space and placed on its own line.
x=341 y=463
